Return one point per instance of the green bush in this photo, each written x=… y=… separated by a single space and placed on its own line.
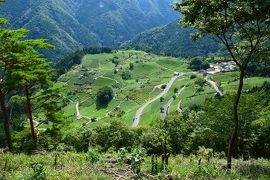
x=200 y=82
x=92 y=156
x=193 y=76
x=38 y=172
x=104 y=96
x=115 y=61
x=80 y=140
x=198 y=64
x=126 y=75
x=135 y=158
x=178 y=129
x=23 y=141
x=163 y=86
x=131 y=66
x=153 y=140
x=116 y=135
x=161 y=99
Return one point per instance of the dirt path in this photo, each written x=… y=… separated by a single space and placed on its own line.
x=108 y=113
x=139 y=112
x=179 y=108
x=214 y=85
x=156 y=87
x=79 y=116
x=104 y=77
x=169 y=103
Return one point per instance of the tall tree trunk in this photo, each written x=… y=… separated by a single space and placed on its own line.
x=6 y=119
x=29 y=112
x=235 y=119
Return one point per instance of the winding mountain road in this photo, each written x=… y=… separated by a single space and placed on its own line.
x=164 y=92
x=214 y=85
x=169 y=103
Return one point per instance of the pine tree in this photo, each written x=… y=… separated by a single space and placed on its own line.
x=20 y=66
x=8 y=40
x=29 y=70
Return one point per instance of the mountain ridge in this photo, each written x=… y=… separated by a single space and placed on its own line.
x=71 y=25
x=173 y=39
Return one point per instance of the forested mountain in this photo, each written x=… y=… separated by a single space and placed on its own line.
x=73 y=24
x=173 y=39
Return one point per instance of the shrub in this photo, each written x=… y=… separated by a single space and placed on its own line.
x=200 y=82
x=38 y=172
x=193 y=76
x=126 y=75
x=23 y=142
x=152 y=140
x=163 y=86
x=122 y=154
x=198 y=64
x=131 y=66
x=135 y=158
x=161 y=99
x=92 y=156
x=115 y=61
x=104 y=95
x=200 y=89
x=116 y=135
x=80 y=139
x=178 y=129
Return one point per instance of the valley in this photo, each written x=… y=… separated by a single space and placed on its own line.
x=140 y=99
x=134 y=89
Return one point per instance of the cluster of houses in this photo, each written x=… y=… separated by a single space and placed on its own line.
x=225 y=66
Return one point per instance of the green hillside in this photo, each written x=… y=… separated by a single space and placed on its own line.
x=173 y=39
x=97 y=71
x=72 y=25
x=150 y=71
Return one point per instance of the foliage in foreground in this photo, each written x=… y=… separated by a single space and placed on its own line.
x=182 y=133
x=61 y=165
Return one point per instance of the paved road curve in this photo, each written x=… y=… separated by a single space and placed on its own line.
x=169 y=103
x=214 y=85
x=164 y=92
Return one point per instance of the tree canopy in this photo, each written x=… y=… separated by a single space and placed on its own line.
x=242 y=26
x=20 y=66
